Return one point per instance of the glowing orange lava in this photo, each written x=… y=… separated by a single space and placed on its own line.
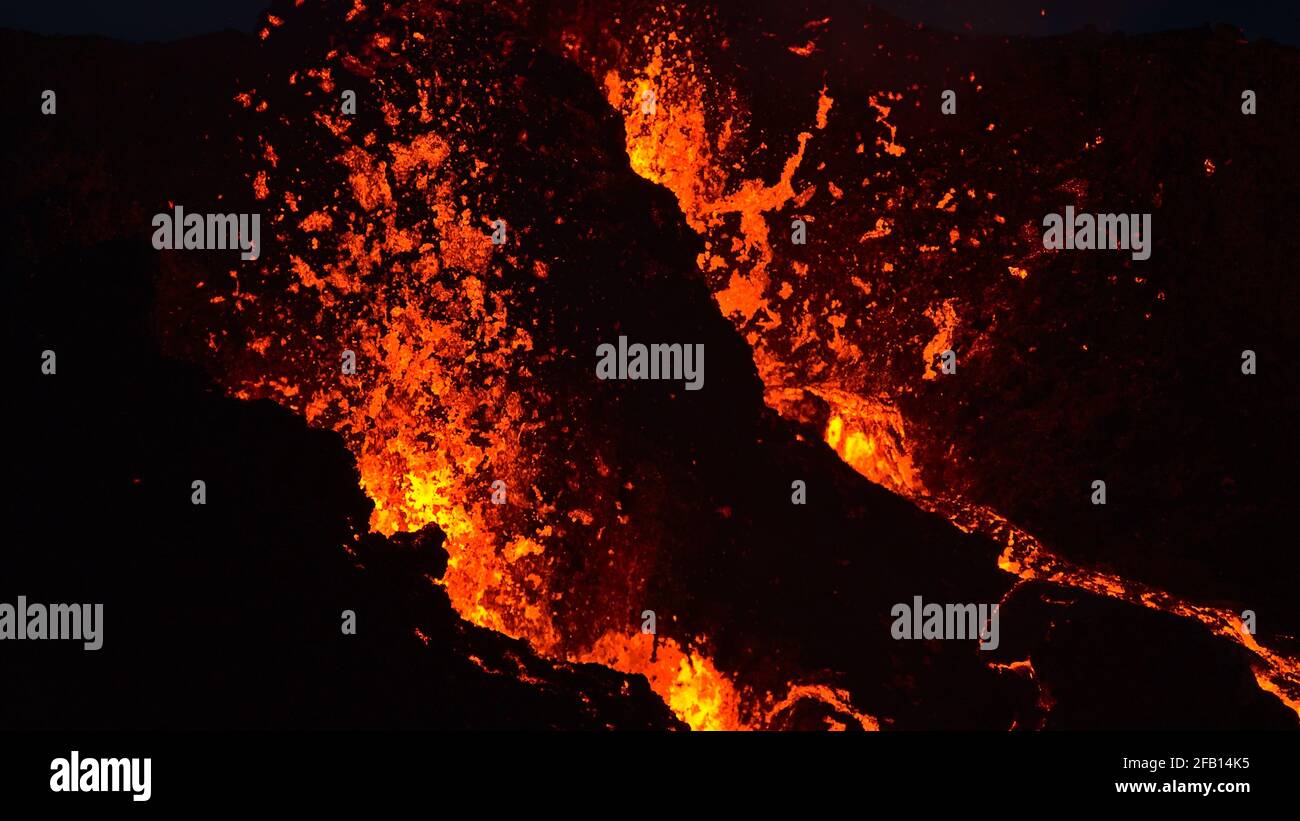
x=684 y=149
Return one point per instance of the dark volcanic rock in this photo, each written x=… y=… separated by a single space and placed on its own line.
x=1103 y=664
x=227 y=614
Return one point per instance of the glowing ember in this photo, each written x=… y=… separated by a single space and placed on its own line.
x=390 y=251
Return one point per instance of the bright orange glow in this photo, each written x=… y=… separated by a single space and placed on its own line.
x=688 y=682
x=434 y=419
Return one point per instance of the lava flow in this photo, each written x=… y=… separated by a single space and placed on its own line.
x=698 y=140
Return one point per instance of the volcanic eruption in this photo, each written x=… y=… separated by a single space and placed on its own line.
x=514 y=185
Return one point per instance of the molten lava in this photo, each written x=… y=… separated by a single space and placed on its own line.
x=392 y=260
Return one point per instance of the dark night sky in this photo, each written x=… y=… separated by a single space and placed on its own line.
x=163 y=20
